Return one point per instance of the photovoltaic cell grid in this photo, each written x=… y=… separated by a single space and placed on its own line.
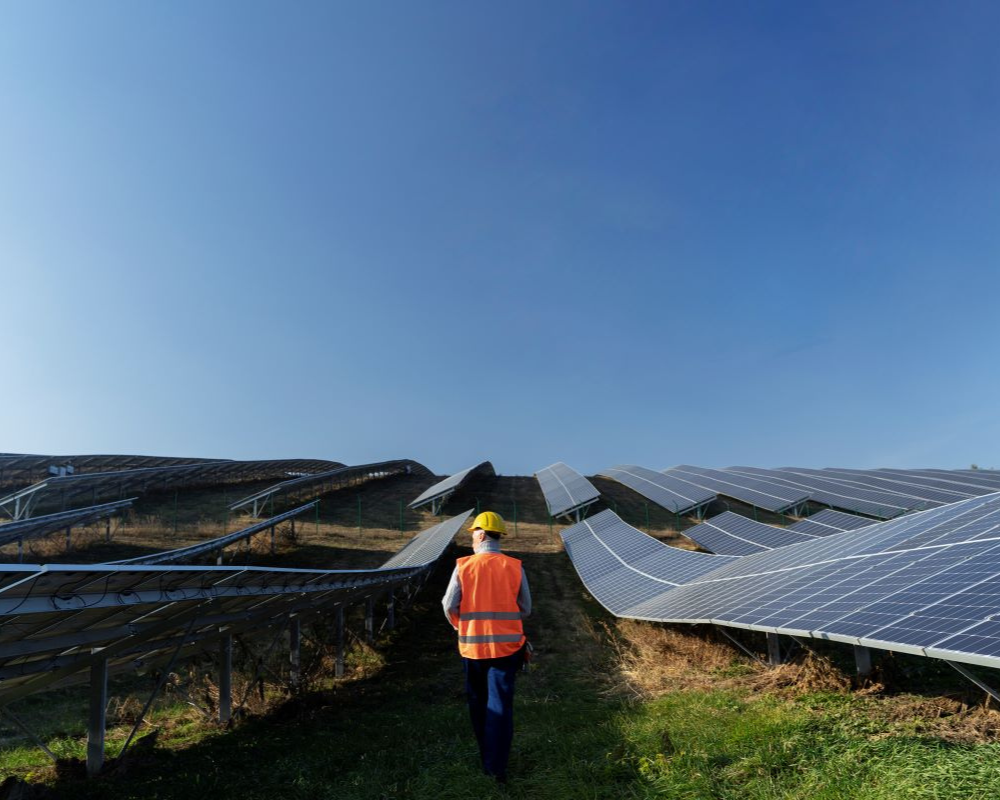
x=442 y=489
x=52 y=616
x=927 y=583
x=757 y=492
x=671 y=493
x=912 y=483
x=735 y=535
x=974 y=482
x=636 y=568
x=828 y=521
x=913 y=497
x=830 y=493
x=565 y=490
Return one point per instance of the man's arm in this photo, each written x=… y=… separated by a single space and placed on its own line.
x=452 y=600
x=524 y=596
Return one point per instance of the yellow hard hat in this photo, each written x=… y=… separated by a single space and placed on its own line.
x=489 y=521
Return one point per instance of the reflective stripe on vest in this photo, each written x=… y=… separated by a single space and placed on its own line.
x=489 y=619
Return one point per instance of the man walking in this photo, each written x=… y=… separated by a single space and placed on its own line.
x=486 y=600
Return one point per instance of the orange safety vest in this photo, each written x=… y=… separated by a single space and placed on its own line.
x=489 y=620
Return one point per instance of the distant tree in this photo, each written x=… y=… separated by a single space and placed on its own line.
x=973 y=466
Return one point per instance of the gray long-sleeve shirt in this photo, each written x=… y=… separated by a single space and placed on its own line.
x=452 y=600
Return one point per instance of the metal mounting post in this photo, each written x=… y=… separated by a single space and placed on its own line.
x=739 y=644
x=390 y=617
x=773 y=649
x=370 y=620
x=969 y=676
x=863 y=660
x=97 y=723
x=226 y=678
x=339 y=669
x=295 y=653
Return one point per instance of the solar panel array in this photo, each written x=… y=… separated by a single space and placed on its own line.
x=827 y=521
x=437 y=494
x=673 y=494
x=927 y=583
x=53 y=617
x=836 y=495
x=735 y=535
x=217 y=544
x=565 y=490
x=37 y=527
x=753 y=491
x=93 y=485
x=313 y=485
x=911 y=495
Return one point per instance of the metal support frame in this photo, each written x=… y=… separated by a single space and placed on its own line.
x=295 y=653
x=390 y=614
x=773 y=649
x=965 y=673
x=97 y=720
x=339 y=669
x=863 y=660
x=226 y=678
x=164 y=677
x=370 y=620
x=28 y=732
x=740 y=644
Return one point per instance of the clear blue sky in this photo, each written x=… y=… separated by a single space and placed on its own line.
x=715 y=233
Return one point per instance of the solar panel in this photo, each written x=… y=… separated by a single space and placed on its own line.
x=757 y=492
x=949 y=493
x=52 y=616
x=915 y=496
x=437 y=494
x=308 y=486
x=566 y=491
x=636 y=569
x=217 y=544
x=827 y=521
x=37 y=527
x=68 y=488
x=927 y=583
x=831 y=493
x=672 y=493
x=735 y=535
x=949 y=479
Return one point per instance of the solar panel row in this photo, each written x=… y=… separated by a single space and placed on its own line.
x=437 y=494
x=927 y=583
x=667 y=491
x=753 y=491
x=827 y=521
x=565 y=490
x=308 y=486
x=735 y=535
x=53 y=616
x=93 y=485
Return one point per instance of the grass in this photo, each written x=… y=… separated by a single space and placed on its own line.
x=611 y=708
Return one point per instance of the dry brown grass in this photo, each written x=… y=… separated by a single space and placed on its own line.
x=653 y=660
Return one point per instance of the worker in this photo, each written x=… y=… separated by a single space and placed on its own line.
x=486 y=600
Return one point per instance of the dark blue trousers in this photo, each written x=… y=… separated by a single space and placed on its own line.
x=489 y=685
